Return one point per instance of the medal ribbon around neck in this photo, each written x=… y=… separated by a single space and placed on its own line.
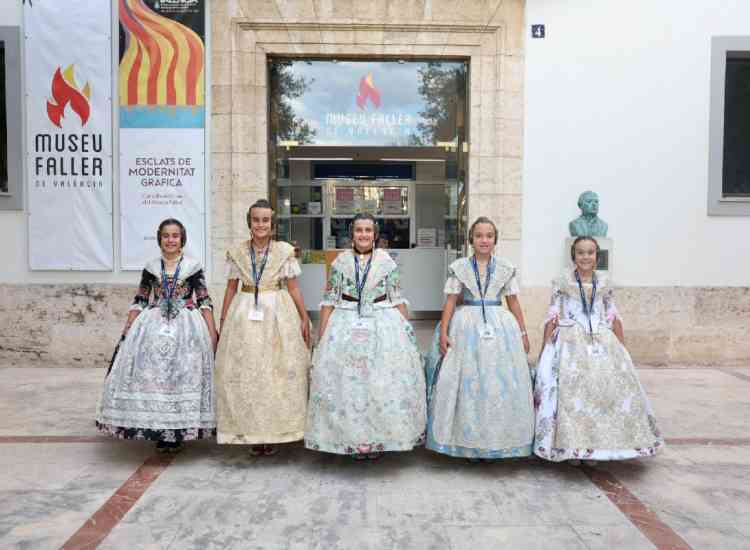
x=588 y=309
x=167 y=289
x=487 y=279
x=361 y=284
x=257 y=275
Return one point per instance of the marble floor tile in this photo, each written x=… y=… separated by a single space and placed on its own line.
x=271 y=507
x=697 y=486
x=45 y=519
x=140 y=537
x=49 y=401
x=559 y=537
x=77 y=466
x=724 y=537
x=697 y=402
x=247 y=537
x=412 y=537
x=454 y=508
x=607 y=537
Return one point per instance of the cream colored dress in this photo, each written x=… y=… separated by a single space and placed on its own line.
x=262 y=366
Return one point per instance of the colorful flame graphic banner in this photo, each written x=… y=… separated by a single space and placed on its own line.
x=64 y=91
x=162 y=123
x=161 y=68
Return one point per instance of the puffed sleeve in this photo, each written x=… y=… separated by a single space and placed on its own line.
x=197 y=282
x=610 y=309
x=230 y=268
x=290 y=269
x=511 y=286
x=332 y=294
x=452 y=283
x=140 y=302
x=555 y=303
x=393 y=288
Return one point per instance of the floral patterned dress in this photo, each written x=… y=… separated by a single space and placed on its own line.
x=589 y=401
x=160 y=383
x=480 y=393
x=262 y=365
x=367 y=389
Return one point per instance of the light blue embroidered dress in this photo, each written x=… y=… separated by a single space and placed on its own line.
x=480 y=393
x=367 y=387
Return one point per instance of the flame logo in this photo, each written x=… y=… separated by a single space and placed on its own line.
x=64 y=91
x=367 y=90
x=163 y=60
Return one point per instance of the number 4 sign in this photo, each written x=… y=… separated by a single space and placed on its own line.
x=537 y=31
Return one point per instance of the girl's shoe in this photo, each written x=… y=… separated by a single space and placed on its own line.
x=270 y=450
x=168 y=447
x=256 y=450
x=374 y=456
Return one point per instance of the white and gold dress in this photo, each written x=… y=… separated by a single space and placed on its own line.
x=589 y=401
x=262 y=365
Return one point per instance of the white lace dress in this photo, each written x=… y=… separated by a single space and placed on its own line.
x=160 y=383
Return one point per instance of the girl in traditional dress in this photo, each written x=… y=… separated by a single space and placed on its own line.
x=263 y=357
x=590 y=404
x=367 y=390
x=480 y=391
x=160 y=383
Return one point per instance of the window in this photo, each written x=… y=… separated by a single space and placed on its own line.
x=729 y=155
x=736 y=171
x=11 y=134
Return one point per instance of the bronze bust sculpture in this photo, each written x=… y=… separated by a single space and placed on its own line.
x=588 y=224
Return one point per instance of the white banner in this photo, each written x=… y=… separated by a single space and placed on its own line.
x=161 y=90
x=69 y=127
x=161 y=176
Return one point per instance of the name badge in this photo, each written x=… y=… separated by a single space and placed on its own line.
x=487 y=332
x=360 y=331
x=255 y=314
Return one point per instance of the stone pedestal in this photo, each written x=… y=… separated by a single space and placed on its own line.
x=604 y=263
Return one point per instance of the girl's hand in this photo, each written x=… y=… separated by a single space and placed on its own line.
x=445 y=344
x=305 y=326
x=215 y=340
x=526 y=346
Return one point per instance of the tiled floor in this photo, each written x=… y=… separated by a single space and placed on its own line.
x=696 y=494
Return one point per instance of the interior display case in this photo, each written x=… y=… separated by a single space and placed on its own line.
x=385 y=137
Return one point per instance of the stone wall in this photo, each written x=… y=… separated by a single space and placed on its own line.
x=79 y=325
x=68 y=325
x=488 y=33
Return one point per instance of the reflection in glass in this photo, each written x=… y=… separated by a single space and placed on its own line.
x=381 y=103
x=3 y=125
x=378 y=136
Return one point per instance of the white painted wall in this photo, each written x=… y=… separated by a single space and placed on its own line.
x=617 y=100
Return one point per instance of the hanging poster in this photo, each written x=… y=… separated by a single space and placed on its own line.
x=68 y=72
x=162 y=124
